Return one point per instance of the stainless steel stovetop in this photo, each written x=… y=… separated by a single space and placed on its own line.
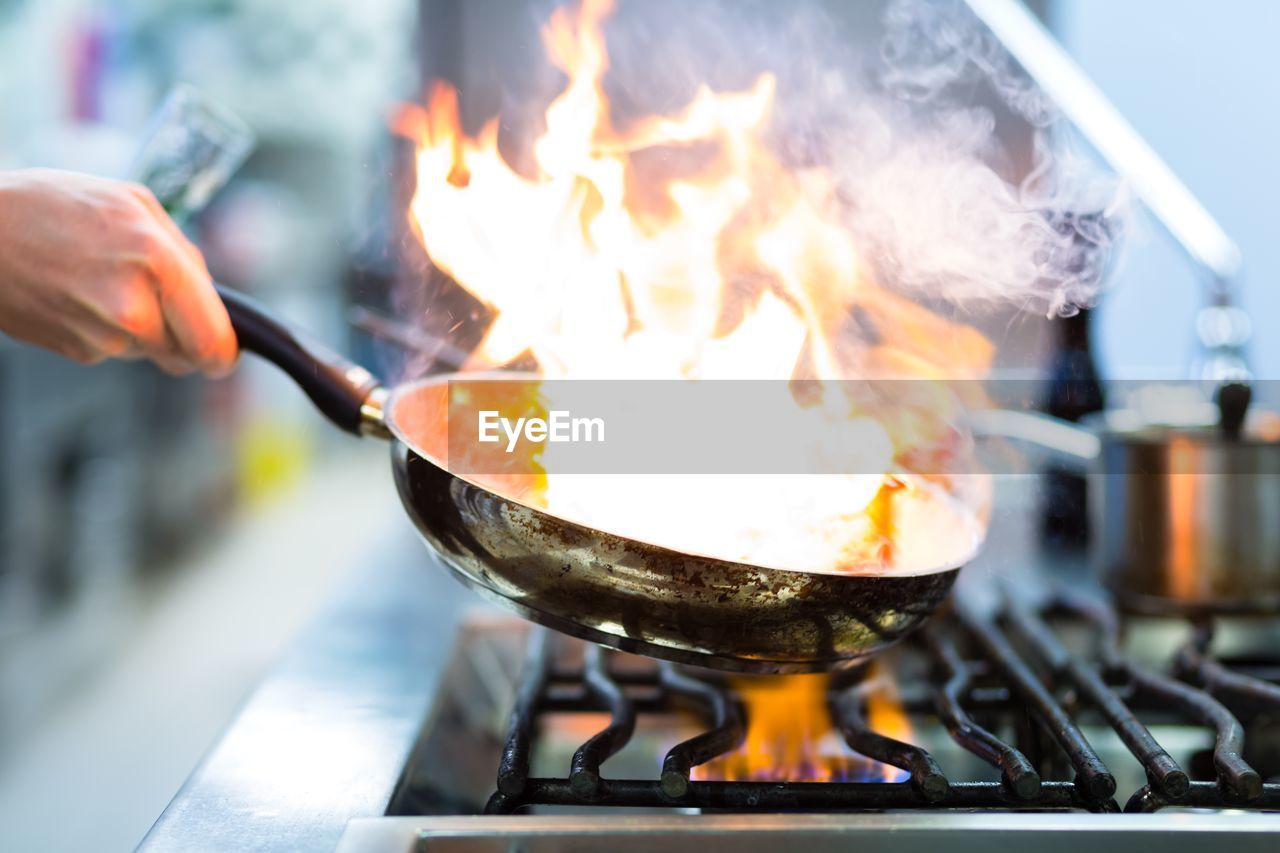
x=385 y=729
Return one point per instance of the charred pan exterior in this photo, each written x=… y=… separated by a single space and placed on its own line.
x=654 y=601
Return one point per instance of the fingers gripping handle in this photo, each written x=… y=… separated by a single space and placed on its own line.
x=346 y=393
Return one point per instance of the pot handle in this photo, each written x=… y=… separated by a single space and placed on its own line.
x=1066 y=443
x=346 y=393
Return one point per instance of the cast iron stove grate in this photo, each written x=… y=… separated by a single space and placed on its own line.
x=1008 y=671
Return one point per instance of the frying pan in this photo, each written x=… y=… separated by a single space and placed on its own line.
x=593 y=584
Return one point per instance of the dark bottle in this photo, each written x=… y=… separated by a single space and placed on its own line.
x=1074 y=390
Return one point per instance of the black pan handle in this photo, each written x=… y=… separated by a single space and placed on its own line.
x=344 y=391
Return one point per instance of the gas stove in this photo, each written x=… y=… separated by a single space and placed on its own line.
x=1003 y=719
x=410 y=718
x=1016 y=731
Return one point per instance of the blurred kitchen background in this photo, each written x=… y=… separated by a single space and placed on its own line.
x=161 y=540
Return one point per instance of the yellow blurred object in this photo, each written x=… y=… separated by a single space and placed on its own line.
x=272 y=455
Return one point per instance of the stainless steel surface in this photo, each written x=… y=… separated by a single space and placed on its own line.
x=638 y=597
x=866 y=833
x=1184 y=519
x=1189 y=521
x=1065 y=443
x=373 y=418
x=323 y=740
x=1223 y=328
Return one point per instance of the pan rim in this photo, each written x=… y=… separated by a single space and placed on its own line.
x=977 y=538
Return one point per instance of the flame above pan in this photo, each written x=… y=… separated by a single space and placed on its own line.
x=685 y=246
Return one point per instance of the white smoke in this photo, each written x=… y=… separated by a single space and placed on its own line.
x=952 y=167
x=939 y=221
x=918 y=131
x=932 y=46
x=931 y=204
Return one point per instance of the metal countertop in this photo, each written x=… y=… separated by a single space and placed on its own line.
x=324 y=737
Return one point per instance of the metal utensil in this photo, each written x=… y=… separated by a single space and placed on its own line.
x=1184 y=517
x=426 y=346
x=596 y=585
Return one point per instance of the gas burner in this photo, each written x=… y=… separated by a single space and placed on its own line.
x=1031 y=707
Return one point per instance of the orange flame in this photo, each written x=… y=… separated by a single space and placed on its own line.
x=683 y=246
x=791 y=736
x=885 y=714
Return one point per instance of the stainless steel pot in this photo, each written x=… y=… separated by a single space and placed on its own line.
x=1186 y=517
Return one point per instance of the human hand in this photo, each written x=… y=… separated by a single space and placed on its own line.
x=92 y=268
